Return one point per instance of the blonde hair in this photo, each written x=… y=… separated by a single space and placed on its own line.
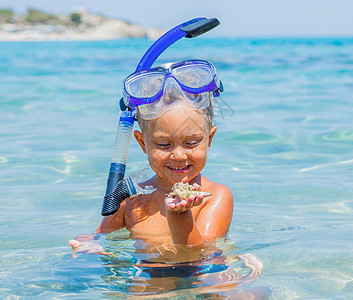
x=207 y=112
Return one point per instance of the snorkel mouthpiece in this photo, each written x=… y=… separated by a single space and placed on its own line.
x=112 y=201
x=124 y=188
x=118 y=187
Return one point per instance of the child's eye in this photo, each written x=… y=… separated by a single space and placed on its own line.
x=162 y=145
x=193 y=143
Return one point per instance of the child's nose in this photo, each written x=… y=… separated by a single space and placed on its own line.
x=179 y=154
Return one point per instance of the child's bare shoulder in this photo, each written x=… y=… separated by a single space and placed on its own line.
x=216 y=209
x=218 y=190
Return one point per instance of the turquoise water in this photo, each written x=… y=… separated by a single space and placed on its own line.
x=284 y=146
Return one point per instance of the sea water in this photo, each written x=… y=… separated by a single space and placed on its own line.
x=284 y=146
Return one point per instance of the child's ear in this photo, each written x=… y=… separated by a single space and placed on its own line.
x=139 y=138
x=212 y=133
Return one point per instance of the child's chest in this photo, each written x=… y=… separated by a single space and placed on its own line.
x=152 y=224
x=146 y=219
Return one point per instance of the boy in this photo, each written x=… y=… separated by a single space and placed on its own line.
x=176 y=133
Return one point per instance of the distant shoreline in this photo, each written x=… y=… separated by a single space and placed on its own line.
x=88 y=28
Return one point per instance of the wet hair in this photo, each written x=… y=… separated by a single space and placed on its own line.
x=207 y=112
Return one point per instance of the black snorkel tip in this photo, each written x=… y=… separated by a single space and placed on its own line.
x=122 y=104
x=200 y=27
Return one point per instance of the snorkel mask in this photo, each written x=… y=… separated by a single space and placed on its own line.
x=184 y=84
x=153 y=91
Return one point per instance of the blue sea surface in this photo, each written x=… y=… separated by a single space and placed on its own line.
x=284 y=147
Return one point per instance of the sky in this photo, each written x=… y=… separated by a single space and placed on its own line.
x=239 y=18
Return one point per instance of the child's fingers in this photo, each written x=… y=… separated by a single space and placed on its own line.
x=170 y=202
x=197 y=187
x=105 y=253
x=175 y=204
x=171 y=205
x=182 y=204
x=198 y=201
x=190 y=201
x=191 y=198
x=87 y=248
x=74 y=243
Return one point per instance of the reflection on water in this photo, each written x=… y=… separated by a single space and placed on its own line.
x=138 y=267
x=286 y=154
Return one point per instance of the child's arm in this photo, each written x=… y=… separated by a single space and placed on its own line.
x=215 y=217
x=213 y=220
x=183 y=228
x=113 y=222
x=88 y=243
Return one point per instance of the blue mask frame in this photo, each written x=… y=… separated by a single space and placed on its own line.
x=213 y=85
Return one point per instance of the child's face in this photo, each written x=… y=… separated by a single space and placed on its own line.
x=176 y=144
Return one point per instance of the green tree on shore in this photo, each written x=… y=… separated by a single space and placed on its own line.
x=6 y=15
x=76 y=18
x=39 y=17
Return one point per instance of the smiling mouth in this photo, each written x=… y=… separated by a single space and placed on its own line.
x=179 y=169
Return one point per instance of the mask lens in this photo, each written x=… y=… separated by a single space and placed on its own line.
x=144 y=85
x=194 y=75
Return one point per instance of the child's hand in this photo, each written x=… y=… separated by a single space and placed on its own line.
x=180 y=205
x=87 y=247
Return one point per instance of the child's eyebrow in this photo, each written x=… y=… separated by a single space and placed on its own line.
x=160 y=135
x=194 y=134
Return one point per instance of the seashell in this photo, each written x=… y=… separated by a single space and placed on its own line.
x=184 y=190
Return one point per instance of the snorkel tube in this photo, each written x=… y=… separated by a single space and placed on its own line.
x=119 y=187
